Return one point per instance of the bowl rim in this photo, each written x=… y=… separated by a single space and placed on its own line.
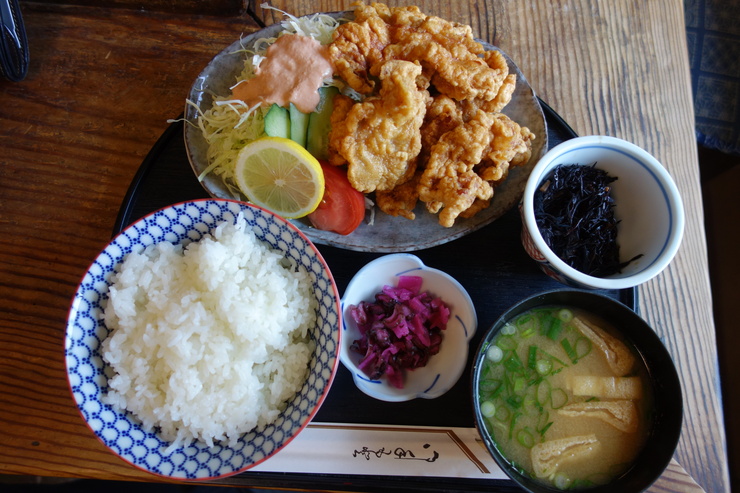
x=138 y=225
x=653 y=166
x=412 y=265
x=667 y=380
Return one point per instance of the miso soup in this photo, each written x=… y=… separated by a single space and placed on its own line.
x=564 y=398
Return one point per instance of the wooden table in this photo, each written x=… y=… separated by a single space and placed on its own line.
x=104 y=81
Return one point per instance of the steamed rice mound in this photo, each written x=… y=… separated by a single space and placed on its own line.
x=208 y=341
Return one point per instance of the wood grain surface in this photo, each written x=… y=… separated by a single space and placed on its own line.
x=104 y=81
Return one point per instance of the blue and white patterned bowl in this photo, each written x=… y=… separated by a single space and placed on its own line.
x=88 y=373
x=445 y=368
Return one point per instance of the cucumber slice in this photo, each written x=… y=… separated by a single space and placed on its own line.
x=298 y=125
x=277 y=122
x=319 y=124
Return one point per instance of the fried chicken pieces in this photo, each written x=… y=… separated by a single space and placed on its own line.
x=381 y=136
x=429 y=125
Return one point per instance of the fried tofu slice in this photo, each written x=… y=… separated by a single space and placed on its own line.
x=380 y=137
x=621 y=414
x=618 y=356
x=629 y=388
x=547 y=457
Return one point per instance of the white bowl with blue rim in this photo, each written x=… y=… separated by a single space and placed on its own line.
x=443 y=369
x=648 y=208
x=88 y=373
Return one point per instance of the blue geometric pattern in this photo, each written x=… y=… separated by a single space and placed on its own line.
x=88 y=373
x=713 y=37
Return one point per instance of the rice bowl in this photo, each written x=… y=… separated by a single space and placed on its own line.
x=158 y=436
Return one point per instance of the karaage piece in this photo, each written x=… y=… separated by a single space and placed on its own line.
x=449 y=52
x=496 y=61
x=358 y=45
x=467 y=146
x=462 y=75
x=449 y=184
x=511 y=146
x=402 y=200
x=342 y=105
x=380 y=137
x=443 y=114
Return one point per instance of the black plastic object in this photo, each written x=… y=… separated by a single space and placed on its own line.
x=14 y=55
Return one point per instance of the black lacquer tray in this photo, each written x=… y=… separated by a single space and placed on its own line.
x=490 y=263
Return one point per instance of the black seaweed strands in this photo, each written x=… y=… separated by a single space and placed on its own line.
x=574 y=213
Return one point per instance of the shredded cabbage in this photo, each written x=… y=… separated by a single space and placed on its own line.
x=230 y=124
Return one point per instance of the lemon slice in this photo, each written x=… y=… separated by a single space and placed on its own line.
x=281 y=176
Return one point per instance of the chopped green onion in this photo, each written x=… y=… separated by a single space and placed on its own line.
x=583 y=347
x=544 y=389
x=490 y=385
x=502 y=413
x=558 y=398
x=525 y=323
x=488 y=409
x=508 y=330
x=498 y=391
x=519 y=384
x=535 y=380
x=525 y=437
x=543 y=366
x=569 y=350
x=532 y=358
x=565 y=315
x=506 y=342
x=561 y=481
x=514 y=364
x=512 y=424
x=546 y=324
x=495 y=354
x=543 y=420
x=555 y=328
x=553 y=358
x=528 y=333
x=544 y=429
x=514 y=401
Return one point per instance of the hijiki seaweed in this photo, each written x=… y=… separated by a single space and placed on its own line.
x=574 y=212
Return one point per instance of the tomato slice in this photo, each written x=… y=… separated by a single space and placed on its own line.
x=343 y=208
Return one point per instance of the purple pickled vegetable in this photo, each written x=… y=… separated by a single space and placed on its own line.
x=400 y=331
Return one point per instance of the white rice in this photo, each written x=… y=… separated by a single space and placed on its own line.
x=208 y=341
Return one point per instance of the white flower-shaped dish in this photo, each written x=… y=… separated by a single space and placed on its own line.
x=88 y=372
x=444 y=368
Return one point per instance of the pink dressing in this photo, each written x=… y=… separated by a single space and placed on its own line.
x=294 y=68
